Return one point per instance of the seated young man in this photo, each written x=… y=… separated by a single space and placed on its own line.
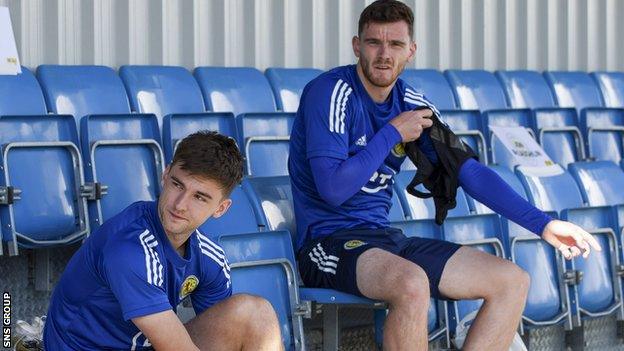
x=121 y=288
x=346 y=146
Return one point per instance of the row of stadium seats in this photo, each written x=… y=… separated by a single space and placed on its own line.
x=59 y=184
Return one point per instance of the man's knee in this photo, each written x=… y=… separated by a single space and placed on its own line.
x=251 y=307
x=411 y=285
x=511 y=281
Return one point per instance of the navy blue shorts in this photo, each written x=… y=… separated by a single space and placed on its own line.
x=330 y=262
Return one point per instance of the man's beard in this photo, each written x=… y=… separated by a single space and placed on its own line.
x=367 y=70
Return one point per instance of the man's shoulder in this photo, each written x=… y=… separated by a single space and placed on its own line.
x=129 y=229
x=412 y=97
x=210 y=253
x=336 y=78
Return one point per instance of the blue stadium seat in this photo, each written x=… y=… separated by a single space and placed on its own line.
x=600 y=182
x=265 y=141
x=547 y=299
x=82 y=90
x=599 y=292
x=272 y=200
x=162 y=90
x=433 y=85
x=559 y=135
x=505 y=118
x=574 y=89
x=611 y=86
x=123 y=154
x=235 y=89
x=21 y=95
x=178 y=126
x=604 y=130
x=526 y=89
x=476 y=90
x=240 y=218
x=288 y=84
x=556 y=128
x=554 y=189
x=263 y=264
x=42 y=185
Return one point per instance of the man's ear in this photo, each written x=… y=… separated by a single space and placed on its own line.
x=164 y=174
x=355 y=42
x=413 y=48
x=223 y=207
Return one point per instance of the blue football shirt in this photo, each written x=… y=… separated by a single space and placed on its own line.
x=336 y=118
x=126 y=269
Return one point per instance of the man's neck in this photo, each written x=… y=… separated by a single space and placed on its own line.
x=376 y=93
x=178 y=242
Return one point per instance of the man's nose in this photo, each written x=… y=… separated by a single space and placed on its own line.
x=180 y=203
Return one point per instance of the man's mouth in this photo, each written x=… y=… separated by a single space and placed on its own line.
x=175 y=216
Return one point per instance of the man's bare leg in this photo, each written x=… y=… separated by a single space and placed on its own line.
x=242 y=322
x=404 y=285
x=472 y=274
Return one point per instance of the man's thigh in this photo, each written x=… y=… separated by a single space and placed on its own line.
x=471 y=274
x=331 y=261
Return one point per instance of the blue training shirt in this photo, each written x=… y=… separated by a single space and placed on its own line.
x=336 y=118
x=126 y=269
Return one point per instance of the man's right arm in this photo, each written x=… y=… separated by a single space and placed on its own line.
x=338 y=180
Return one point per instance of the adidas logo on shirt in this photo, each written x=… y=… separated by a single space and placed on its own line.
x=361 y=141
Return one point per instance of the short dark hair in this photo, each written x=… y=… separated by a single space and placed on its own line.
x=387 y=11
x=210 y=155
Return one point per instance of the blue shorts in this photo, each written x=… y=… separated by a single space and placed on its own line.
x=330 y=262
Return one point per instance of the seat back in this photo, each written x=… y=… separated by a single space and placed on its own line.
x=42 y=167
x=476 y=89
x=550 y=188
x=598 y=291
x=433 y=85
x=133 y=139
x=82 y=90
x=558 y=133
x=161 y=90
x=611 y=86
x=273 y=202
x=600 y=182
x=263 y=264
x=574 y=89
x=178 y=126
x=235 y=89
x=239 y=218
x=287 y=85
x=526 y=89
x=604 y=129
x=21 y=95
x=265 y=139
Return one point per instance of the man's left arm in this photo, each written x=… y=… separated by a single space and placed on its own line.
x=485 y=186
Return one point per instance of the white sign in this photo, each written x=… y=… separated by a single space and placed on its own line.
x=9 y=62
x=525 y=150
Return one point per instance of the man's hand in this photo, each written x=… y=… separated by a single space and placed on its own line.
x=570 y=239
x=410 y=124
